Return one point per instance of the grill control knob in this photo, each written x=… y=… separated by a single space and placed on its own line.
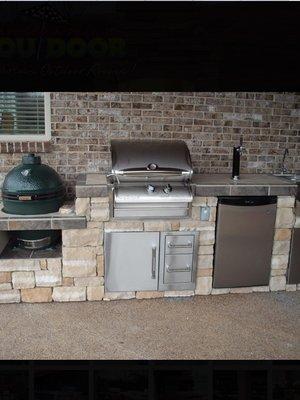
x=167 y=189
x=152 y=166
x=150 y=188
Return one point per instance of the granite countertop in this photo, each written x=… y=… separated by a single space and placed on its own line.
x=65 y=218
x=247 y=185
x=96 y=185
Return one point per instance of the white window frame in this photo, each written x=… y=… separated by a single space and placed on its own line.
x=46 y=137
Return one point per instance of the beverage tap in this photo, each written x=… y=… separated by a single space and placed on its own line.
x=237 y=152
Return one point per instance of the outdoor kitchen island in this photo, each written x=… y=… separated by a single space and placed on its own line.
x=78 y=274
x=94 y=200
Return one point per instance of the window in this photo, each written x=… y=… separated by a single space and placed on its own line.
x=24 y=116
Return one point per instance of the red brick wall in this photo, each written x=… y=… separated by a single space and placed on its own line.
x=210 y=123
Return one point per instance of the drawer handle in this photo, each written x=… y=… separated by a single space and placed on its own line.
x=153 y=266
x=173 y=245
x=170 y=269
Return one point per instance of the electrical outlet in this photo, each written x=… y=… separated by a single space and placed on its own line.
x=204 y=213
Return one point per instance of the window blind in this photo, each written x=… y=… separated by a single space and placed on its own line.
x=22 y=113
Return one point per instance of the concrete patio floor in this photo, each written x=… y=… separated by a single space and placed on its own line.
x=236 y=326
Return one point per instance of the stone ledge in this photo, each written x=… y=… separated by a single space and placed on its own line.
x=58 y=220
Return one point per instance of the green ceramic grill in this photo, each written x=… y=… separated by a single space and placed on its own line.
x=33 y=188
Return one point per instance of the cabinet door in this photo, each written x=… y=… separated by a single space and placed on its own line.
x=244 y=243
x=294 y=269
x=131 y=261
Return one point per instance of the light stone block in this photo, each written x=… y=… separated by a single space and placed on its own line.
x=219 y=291
x=100 y=265
x=285 y=218
x=204 y=272
x=281 y=247
x=203 y=285
x=48 y=278
x=5 y=286
x=62 y=294
x=19 y=265
x=195 y=213
x=277 y=283
x=66 y=209
x=206 y=238
x=23 y=280
x=81 y=269
x=54 y=265
x=205 y=261
x=149 y=295
x=283 y=234
x=82 y=206
x=285 y=201
x=5 y=277
x=95 y=224
x=99 y=250
x=82 y=237
x=278 y=272
x=175 y=225
x=179 y=293
x=89 y=281
x=280 y=261
x=36 y=295
x=157 y=226
x=43 y=264
x=199 y=201
x=206 y=250
x=192 y=225
x=118 y=296
x=127 y=226
x=290 y=288
x=260 y=289
x=298 y=286
x=241 y=290
x=99 y=212
x=213 y=214
x=87 y=253
x=99 y=200
x=95 y=293
x=67 y=281
x=10 y=296
x=212 y=201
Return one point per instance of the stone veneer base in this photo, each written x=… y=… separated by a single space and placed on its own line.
x=79 y=274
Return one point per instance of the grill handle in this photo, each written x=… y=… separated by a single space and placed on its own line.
x=153 y=265
x=170 y=269
x=172 y=245
x=155 y=171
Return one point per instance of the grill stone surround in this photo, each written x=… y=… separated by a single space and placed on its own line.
x=79 y=274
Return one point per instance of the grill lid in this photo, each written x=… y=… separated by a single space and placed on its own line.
x=150 y=158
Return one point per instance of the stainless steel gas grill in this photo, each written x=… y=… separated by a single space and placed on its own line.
x=151 y=179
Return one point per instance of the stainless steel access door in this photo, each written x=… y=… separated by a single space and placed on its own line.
x=294 y=267
x=244 y=242
x=131 y=261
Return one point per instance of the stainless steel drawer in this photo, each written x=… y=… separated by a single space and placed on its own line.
x=178 y=268
x=179 y=244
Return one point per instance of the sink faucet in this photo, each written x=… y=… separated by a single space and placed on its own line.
x=237 y=151
x=284 y=170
